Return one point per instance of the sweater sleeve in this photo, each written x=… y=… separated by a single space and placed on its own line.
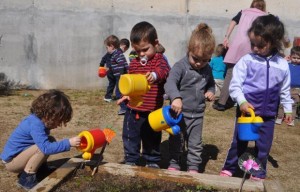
x=173 y=80
x=285 y=96
x=238 y=77
x=211 y=82
x=161 y=70
x=41 y=139
x=104 y=60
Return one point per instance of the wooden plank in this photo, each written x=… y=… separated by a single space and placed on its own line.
x=57 y=176
x=215 y=181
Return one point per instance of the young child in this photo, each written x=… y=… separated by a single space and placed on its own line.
x=189 y=84
x=136 y=129
x=260 y=80
x=294 y=66
x=218 y=68
x=30 y=145
x=117 y=65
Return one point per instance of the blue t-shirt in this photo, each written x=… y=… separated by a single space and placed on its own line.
x=218 y=67
x=29 y=132
x=295 y=75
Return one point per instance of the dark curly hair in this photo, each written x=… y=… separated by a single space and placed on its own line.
x=51 y=107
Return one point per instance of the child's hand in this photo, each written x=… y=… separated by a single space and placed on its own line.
x=210 y=96
x=75 y=141
x=123 y=98
x=288 y=118
x=245 y=106
x=176 y=105
x=150 y=78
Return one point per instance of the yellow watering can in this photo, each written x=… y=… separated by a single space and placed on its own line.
x=134 y=86
x=248 y=127
x=162 y=119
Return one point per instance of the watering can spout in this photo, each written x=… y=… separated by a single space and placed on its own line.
x=162 y=119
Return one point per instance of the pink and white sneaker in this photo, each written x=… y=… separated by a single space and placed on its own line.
x=225 y=173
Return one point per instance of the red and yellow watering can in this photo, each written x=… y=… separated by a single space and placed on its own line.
x=94 y=139
x=134 y=86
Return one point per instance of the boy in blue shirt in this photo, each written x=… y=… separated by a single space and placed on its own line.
x=294 y=66
x=218 y=68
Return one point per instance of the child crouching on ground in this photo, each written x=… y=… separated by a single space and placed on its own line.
x=30 y=145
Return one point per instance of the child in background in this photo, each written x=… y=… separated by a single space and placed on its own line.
x=30 y=145
x=294 y=66
x=218 y=68
x=189 y=84
x=121 y=47
x=260 y=80
x=117 y=65
x=161 y=49
x=132 y=55
x=136 y=129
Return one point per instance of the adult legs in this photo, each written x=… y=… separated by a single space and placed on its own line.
x=224 y=96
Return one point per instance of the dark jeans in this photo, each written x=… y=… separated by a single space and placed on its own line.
x=137 y=132
x=112 y=81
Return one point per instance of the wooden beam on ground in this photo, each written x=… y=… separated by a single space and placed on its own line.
x=215 y=181
x=207 y=180
x=57 y=176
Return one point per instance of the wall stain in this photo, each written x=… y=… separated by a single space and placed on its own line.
x=30 y=48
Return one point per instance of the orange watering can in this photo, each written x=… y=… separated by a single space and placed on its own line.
x=102 y=71
x=94 y=139
x=248 y=127
x=162 y=119
x=134 y=86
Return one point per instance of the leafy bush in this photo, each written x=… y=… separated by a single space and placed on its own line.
x=6 y=85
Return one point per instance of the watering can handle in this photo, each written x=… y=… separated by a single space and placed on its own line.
x=251 y=113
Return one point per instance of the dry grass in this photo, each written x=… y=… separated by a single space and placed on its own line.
x=91 y=111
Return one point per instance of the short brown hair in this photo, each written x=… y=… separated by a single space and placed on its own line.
x=258 y=4
x=202 y=40
x=143 y=31
x=220 y=50
x=295 y=50
x=52 y=106
x=112 y=40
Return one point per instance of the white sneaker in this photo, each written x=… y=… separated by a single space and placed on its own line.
x=107 y=100
x=292 y=123
x=278 y=121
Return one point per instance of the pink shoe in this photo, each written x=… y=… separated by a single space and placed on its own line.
x=193 y=171
x=253 y=178
x=225 y=173
x=173 y=169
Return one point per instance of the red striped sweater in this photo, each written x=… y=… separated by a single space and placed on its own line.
x=153 y=99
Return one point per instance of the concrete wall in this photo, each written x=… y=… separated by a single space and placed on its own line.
x=59 y=43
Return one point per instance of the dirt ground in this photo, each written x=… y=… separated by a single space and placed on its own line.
x=90 y=111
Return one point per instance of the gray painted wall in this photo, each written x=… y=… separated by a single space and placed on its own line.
x=59 y=43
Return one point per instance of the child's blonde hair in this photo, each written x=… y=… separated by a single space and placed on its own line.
x=202 y=40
